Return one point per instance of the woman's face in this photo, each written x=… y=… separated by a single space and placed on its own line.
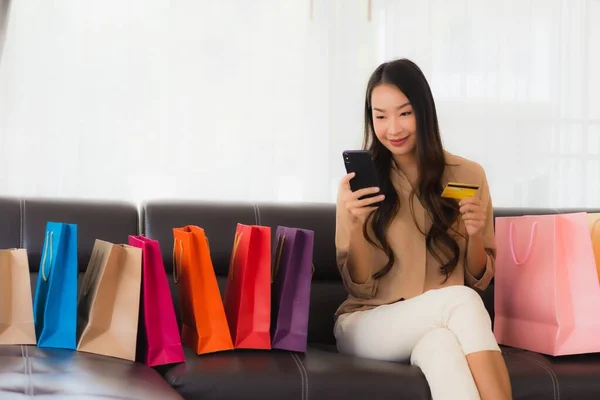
x=394 y=120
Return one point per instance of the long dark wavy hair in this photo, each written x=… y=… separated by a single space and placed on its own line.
x=431 y=162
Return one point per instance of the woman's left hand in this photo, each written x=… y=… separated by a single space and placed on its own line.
x=474 y=215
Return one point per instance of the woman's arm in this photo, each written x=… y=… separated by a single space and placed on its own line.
x=478 y=215
x=355 y=255
x=477 y=256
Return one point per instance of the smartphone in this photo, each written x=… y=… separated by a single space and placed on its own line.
x=361 y=163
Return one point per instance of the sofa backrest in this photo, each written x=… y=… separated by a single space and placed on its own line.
x=219 y=221
x=24 y=220
x=24 y=224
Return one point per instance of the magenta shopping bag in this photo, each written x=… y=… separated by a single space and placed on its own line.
x=292 y=276
x=159 y=341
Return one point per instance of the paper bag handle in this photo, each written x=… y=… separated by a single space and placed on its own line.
x=277 y=262
x=177 y=264
x=89 y=283
x=49 y=235
x=279 y=250
x=529 y=246
x=236 y=243
x=594 y=227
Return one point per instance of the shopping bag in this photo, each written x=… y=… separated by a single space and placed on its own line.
x=292 y=276
x=547 y=294
x=594 y=224
x=159 y=342
x=109 y=301
x=55 y=301
x=16 y=309
x=248 y=291
x=204 y=324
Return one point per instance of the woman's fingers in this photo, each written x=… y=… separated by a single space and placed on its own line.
x=345 y=182
x=364 y=211
x=364 y=192
x=355 y=204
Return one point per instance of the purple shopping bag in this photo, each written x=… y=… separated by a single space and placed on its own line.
x=292 y=276
x=159 y=341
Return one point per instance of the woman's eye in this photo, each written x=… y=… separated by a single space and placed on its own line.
x=406 y=113
x=380 y=117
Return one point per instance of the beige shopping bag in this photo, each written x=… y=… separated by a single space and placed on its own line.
x=16 y=309
x=108 y=303
x=595 y=232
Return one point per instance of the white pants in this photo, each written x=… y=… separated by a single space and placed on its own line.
x=435 y=331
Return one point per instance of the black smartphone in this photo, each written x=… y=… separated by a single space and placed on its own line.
x=361 y=163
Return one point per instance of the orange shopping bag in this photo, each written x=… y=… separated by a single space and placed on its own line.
x=205 y=327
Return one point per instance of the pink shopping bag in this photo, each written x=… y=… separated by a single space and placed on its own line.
x=159 y=341
x=547 y=294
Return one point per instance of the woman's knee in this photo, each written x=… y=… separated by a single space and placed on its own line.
x=465 y=294
x=469 y=320
x=465 y=314
x=435 y=345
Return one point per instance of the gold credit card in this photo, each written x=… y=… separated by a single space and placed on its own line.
x=459 y=191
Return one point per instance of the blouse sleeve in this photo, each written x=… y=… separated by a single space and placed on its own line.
x=489 y=242
x=361 y=290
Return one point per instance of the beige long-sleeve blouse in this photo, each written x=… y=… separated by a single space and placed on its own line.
x=415 y=270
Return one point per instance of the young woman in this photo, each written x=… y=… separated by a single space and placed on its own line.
x=405 y=262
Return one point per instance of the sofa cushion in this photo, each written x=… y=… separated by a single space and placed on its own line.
x=322 y=373
x=10 y=215
x=219 y=221
x=317 y=217
x=106 y=220
x=318 y=374
x=513 y=212
x=536 y=376
x=27 y=371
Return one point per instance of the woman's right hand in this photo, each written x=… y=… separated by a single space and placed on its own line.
x=359 y=209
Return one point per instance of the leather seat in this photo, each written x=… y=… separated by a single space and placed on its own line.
x=27 y=371
x=536 y=376
x=322 y=373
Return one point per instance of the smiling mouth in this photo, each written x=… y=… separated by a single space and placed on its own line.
x=400 y=141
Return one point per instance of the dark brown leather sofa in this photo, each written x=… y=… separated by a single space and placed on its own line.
x=321 y=373
x=29 y=372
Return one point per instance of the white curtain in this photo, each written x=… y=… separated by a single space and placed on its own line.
x=4 y=9
x=517 y=85
x=255 y=100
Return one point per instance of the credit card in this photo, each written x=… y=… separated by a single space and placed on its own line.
x=459 y=191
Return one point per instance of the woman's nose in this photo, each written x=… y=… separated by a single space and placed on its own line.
x=393 y=126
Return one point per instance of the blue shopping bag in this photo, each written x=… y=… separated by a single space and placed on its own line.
x=55 y=302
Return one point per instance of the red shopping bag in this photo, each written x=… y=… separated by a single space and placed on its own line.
x=248 y=291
